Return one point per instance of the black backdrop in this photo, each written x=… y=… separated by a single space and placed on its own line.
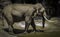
x=55 y=4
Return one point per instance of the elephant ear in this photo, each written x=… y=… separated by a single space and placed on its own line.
x=34 y=12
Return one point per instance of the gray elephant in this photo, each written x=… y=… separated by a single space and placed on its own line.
x=18 y=12
x=27 y=12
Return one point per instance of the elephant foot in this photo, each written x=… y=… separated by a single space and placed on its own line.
x=11 y=32
x=25 y=32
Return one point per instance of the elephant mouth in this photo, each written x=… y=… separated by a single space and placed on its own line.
x=39 y=14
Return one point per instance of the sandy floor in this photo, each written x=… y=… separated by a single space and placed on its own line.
x=52 y=29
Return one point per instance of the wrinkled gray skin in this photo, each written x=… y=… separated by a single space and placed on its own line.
x=26 y=12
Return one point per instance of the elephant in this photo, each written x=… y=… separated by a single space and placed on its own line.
x=27 y=12
x=18 y=12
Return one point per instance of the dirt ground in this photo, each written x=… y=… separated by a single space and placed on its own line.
x=52 y=29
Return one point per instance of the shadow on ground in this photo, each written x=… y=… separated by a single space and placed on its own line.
x=19 y=31
x=52 y=30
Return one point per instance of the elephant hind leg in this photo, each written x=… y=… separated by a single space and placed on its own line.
x=9 y=19
x=10 y=30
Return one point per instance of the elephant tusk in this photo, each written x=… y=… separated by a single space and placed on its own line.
x=48 y=20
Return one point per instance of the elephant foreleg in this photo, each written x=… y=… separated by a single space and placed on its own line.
x=27 y=22
x=33 y=24
x=43 y=21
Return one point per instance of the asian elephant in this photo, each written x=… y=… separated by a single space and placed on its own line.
x=27 y=12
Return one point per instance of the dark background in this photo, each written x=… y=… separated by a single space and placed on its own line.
x=52 y=6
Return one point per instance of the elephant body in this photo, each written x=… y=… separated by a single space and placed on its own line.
x=18 y=12
x=27 y=12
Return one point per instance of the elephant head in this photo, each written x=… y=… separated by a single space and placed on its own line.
x=41 y=11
